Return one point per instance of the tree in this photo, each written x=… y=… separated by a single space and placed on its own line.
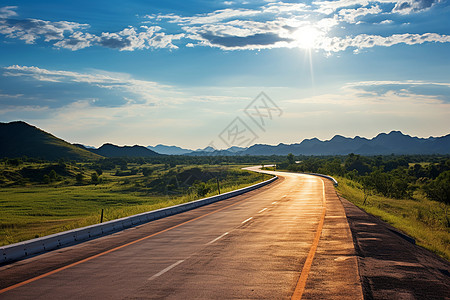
x=381 y=182
x=333 y=167
x=46 y=179
x=439 y=190
x=367 y=186
x=94 y=178
x=291 y=158
x=52 y=175
x=147 y=171
x=355 y=162
x=14 y=162
x=62 y=163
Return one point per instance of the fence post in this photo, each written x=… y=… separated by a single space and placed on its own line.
x=218 y=186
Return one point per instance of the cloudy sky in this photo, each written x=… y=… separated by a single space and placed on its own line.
x=191 y=73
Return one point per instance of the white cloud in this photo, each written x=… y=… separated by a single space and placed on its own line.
x=147 y=91
x=7 y=11
x=283 y=8
x=273 y=25
x=78 y=40
x=131 y=39
x=368 y=41
x=241 y=35
x=296 y=25
x=411 y=6
x=400 y=6
x=134 y=91
x=328 y=7
x=74 y=36
x=32 y=29
x=350 y=15
x=213 y=17
x=353 y=110
x=396 y=82
x=10 y=96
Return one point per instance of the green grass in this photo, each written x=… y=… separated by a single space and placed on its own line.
x=422 y=219
x=35 y=210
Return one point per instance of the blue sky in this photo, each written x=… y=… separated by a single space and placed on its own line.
x=182 y=72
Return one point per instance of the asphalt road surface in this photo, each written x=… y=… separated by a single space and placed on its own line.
x=287 y=239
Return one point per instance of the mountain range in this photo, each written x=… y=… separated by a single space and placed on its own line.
x=175 y=150
x=394 y=142
x=19 y=139
x=169 y=150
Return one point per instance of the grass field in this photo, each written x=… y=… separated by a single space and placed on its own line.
x=34 y=210
x=419 y=217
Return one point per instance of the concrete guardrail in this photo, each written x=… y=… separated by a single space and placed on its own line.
x=28 y=248
x=325 y=176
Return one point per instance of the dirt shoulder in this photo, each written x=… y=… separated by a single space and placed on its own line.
x=391 y=266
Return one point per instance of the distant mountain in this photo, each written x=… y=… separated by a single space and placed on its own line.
x=206 y=149
x=394 y=142
x=235 y=149
x=213 y=153
x=21 y=139
x=110 y=150
x=210 y=151
x=169 y=150
x=84 y=147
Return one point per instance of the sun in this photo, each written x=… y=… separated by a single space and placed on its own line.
x=307 y=37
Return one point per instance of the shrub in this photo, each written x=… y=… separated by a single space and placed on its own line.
x=79 y=178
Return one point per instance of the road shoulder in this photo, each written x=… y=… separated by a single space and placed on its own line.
x=334 y=272
x=390 y=266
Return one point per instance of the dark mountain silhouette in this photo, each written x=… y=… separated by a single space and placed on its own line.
x=169 y=150
x=394 y=142
x=19 y=139
x=110 y=150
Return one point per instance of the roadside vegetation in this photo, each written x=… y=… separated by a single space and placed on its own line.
x=410 y=192
x=38 y=198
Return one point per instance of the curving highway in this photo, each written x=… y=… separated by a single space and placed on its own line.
x=289 y=239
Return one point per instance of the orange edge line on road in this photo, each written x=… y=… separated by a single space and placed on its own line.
x=301 y=284
x=12 y=287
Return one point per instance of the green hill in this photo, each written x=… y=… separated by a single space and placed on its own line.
x=19 y=139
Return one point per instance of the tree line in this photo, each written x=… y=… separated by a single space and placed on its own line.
x=394 y=176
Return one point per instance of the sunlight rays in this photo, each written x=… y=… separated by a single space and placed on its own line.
x=308 y=38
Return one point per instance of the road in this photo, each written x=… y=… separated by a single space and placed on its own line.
x=287 y=239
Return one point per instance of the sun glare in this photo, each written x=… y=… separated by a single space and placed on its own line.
x=307 y=37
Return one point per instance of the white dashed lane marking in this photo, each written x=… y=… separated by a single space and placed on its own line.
x=245 y=221
x=166 y=269
x=217 y=238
